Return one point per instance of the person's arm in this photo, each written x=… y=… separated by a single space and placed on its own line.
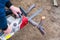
x=14 y=9
x=8 y=4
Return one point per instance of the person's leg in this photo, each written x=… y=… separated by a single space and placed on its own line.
x=3 y=25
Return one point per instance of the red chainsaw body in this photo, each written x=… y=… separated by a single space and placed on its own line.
x=24 y=22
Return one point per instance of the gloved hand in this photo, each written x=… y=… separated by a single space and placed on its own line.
x=15 y=10
x=8 y=30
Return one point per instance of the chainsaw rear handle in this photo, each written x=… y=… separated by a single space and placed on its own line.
x=8 y=11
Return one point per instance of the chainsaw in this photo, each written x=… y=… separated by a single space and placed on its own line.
x=21 y=22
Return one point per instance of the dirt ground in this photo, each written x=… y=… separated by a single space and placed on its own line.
x=51 y=23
